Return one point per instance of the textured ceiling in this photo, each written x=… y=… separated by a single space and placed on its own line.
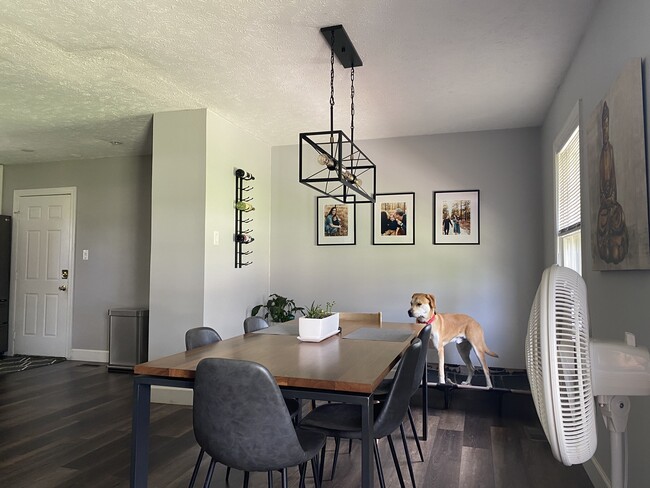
x=76 y=75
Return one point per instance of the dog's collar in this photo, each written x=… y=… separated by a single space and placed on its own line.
x=431 y=320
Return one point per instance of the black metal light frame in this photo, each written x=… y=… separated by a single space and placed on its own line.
x=347 y=163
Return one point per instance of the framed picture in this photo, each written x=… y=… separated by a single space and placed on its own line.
x=394 y=218
x=336 y=223
x=456 y=217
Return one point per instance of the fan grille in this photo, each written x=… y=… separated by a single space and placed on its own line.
x=558 y=363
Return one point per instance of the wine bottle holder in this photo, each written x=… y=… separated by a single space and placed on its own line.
x=243 y=208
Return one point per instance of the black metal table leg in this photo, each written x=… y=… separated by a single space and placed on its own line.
x=140 y=433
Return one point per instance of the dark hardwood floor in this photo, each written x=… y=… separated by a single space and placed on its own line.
x=68 y=425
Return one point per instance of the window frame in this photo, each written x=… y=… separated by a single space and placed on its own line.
x=568 y=129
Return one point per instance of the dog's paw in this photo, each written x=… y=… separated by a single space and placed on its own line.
x=466 y=382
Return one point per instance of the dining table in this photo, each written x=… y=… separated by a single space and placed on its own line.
x=346 y=367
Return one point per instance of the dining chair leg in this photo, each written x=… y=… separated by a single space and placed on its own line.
x=197 y=465
x=208 y=476
x=269 y=476
x=227 y=474
x=425 y=404
x=380 y=471
x=302 y=469
x=246 y=475
x=321 y=470
x=314 y=470
x=408 y=455
x=350 y=446
x=396 y=461
x=415 y=434
x=337 y=442
x=285 y=481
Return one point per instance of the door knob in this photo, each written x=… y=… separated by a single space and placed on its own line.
x=63 y=287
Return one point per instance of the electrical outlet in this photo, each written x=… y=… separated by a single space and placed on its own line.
x=215 y=238
x=84 y=255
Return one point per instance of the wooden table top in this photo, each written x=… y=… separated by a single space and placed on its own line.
x=338 y=364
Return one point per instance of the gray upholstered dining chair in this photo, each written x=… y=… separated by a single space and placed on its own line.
x=251 y=324
x=200 y=336
x=383 y=389
x=340 y=420
x=240 y=420
x=197 y=337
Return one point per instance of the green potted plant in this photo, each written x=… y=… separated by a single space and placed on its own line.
x=317 y=311
x=318 y=323
x=278 y=308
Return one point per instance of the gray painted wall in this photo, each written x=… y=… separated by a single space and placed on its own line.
x=193 y=281
x=177 y=228
x=113 y=212
x=495 y=282
x=618 y=300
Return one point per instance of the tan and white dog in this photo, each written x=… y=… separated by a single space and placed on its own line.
x=452 y=327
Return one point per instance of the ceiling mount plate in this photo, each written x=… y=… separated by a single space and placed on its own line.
x=343 y=47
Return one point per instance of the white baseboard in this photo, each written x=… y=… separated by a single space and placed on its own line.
x=90 y=355
x=597 y=474
x=171 y=395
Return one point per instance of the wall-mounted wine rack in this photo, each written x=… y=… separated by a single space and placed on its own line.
x=242 y=208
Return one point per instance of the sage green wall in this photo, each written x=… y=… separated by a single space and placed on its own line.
x=618 y=300
x=495 y=282
x=113 y=214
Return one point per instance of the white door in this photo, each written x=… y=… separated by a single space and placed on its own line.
x=43 y=236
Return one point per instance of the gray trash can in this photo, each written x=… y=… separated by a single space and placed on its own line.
x=128 y=338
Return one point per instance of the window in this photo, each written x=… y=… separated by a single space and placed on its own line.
x=567 y=186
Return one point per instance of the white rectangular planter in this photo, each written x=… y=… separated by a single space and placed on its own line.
x=318 y=329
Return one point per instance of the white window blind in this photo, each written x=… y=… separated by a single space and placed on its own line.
x=568 y=185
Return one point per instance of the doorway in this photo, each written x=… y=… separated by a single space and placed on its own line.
x=42 y=264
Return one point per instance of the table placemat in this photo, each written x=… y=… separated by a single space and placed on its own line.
x=280 y=329
x=375 y=334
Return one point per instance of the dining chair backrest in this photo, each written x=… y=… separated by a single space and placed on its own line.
x=370 y=317
x=200 y=336
x=424 y=336
x=396 y=404
x=240 y=417
x=251 y=324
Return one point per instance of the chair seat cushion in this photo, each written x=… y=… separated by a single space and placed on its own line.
x=311 y=441
x=336 y=420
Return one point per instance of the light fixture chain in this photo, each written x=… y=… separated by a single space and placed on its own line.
x=332 y=96
x=352 y=103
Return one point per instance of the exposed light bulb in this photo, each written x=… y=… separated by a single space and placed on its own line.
x=325 y=160
x=352 y=178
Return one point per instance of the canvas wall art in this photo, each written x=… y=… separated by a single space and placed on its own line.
x=615 y=156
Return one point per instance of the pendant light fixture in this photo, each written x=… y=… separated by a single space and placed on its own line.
x=330 y=161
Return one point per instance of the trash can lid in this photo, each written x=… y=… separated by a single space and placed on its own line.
x=128 y=312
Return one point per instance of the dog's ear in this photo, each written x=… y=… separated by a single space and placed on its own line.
x=413 y=296
x=432 y=301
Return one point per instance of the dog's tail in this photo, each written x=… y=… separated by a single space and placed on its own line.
x=490 y=353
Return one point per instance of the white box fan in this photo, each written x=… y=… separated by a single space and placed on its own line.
x=567 y=369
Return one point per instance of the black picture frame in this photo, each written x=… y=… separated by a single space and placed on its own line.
x=387 y=228
x=346 y=235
